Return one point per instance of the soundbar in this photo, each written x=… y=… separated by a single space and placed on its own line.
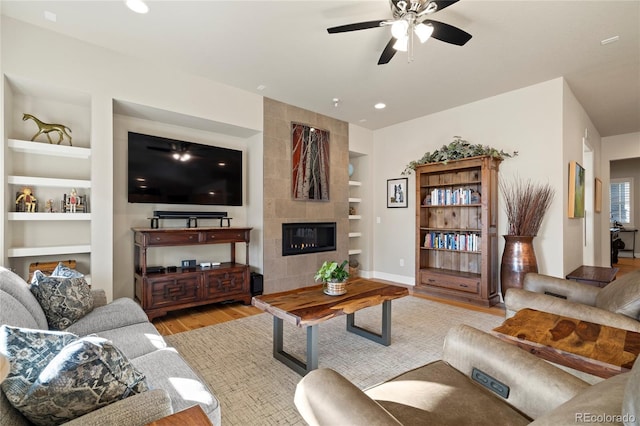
x=162 y=214
x=192 y=217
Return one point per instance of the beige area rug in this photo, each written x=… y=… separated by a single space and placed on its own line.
x=235 y=358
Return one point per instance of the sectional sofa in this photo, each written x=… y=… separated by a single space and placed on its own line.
x=172 y=384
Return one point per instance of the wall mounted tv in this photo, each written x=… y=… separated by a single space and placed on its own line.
x=169 y=171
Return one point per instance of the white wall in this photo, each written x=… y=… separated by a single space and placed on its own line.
x=104 y=75
x=575 y=125
x=528 y=120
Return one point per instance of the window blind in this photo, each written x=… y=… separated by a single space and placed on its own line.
x=621 y=201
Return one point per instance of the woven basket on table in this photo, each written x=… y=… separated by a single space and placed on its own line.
x=335 y=289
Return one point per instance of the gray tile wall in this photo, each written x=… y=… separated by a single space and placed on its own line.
x=286 y=273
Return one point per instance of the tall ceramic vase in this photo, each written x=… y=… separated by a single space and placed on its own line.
x=518 y=259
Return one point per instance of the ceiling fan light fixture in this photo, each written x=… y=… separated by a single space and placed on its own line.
x=402 y=44
x=138 y=6
x=399 y=29
x=423 y=31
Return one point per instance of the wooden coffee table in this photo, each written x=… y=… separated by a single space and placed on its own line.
x=309 y=306
x=585 y=346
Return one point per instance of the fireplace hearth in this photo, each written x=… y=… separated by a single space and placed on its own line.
x=308 y=237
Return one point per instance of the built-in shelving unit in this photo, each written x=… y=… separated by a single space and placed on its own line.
x=51 y=171
x=456 y=230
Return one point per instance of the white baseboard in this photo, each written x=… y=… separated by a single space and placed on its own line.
x=400 y=279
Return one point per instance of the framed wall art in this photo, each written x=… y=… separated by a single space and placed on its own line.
x=576 y=190
x=397 y=192
x=597 y=199
x=310 y=163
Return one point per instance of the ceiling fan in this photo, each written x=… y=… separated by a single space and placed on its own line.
x=409 y=18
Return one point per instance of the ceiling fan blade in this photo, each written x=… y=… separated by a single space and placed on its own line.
x=387 y=53
x=443 y=4
x=355 y=27
x=448 y=33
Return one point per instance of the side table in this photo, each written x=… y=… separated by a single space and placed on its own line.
x=594 y=275
x=191 y=416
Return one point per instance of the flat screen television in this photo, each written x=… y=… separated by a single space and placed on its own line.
x=168 y=171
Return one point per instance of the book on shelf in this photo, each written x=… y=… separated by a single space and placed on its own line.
x=460 y=241
x=452 y=197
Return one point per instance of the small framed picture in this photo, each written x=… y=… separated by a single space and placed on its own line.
x=397 y=192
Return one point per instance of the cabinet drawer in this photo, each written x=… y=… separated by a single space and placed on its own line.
x=466 y=284
x=219 y=284
x=170 y=238
x=166 y=291
x=226 y=236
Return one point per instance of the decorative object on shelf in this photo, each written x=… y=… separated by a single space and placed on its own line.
x=74 y=203
x=354 y=267
x=47 y=128
x=310 y=155
x=352 y=211
x=26 y=201
x=351 y=170
x=48 y=206
x=525 y=204
x=457 y=150
x=576 y=190
x=397 y=192
x=334 y=277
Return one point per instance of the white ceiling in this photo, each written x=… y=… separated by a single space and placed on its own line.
x=284 y=46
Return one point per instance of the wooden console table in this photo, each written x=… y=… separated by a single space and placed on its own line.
x=164 y=291
x=585 y=346
x=594 y=275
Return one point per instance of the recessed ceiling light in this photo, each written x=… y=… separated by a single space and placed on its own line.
x=610 y=40
x=380 y=105
x=50 y=16
x=137 y=6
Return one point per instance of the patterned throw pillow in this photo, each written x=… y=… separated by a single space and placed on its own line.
x=63 y=270
x=30 y=351
x=63 y=300
x=86 y=374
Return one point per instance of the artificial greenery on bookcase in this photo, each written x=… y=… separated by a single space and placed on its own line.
x=456 y=150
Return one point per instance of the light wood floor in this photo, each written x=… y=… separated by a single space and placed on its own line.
x=191 y=319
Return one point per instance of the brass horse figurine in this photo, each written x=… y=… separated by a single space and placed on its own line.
x=46 y=128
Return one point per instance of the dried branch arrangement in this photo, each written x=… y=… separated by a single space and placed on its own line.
x=526 y=203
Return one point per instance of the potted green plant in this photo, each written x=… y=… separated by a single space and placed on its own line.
x=334 y=277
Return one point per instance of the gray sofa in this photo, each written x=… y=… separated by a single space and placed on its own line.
x=616 y=305
x=173 y=385
x=443 y=393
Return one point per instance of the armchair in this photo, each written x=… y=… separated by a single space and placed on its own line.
x=443 y=392
x=616 y=305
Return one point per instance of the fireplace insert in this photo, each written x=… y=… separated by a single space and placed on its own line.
x=308 y=237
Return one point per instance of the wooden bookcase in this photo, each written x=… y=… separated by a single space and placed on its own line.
x=456 y=230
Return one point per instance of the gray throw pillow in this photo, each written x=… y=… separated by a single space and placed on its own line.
x=63 y=300
x=29 y=352
x=622 y=296
x=86 y=374
x=63 y=270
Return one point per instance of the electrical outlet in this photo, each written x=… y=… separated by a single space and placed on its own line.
x=401 y=262
x=378 y=219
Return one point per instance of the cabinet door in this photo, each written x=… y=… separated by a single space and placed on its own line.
x=226 y=282
x=171 y=290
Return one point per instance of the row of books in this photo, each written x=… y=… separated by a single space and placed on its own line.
x=447 y=197
x=453 y=241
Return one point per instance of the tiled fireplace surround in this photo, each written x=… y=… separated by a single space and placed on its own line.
x=289 y=272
